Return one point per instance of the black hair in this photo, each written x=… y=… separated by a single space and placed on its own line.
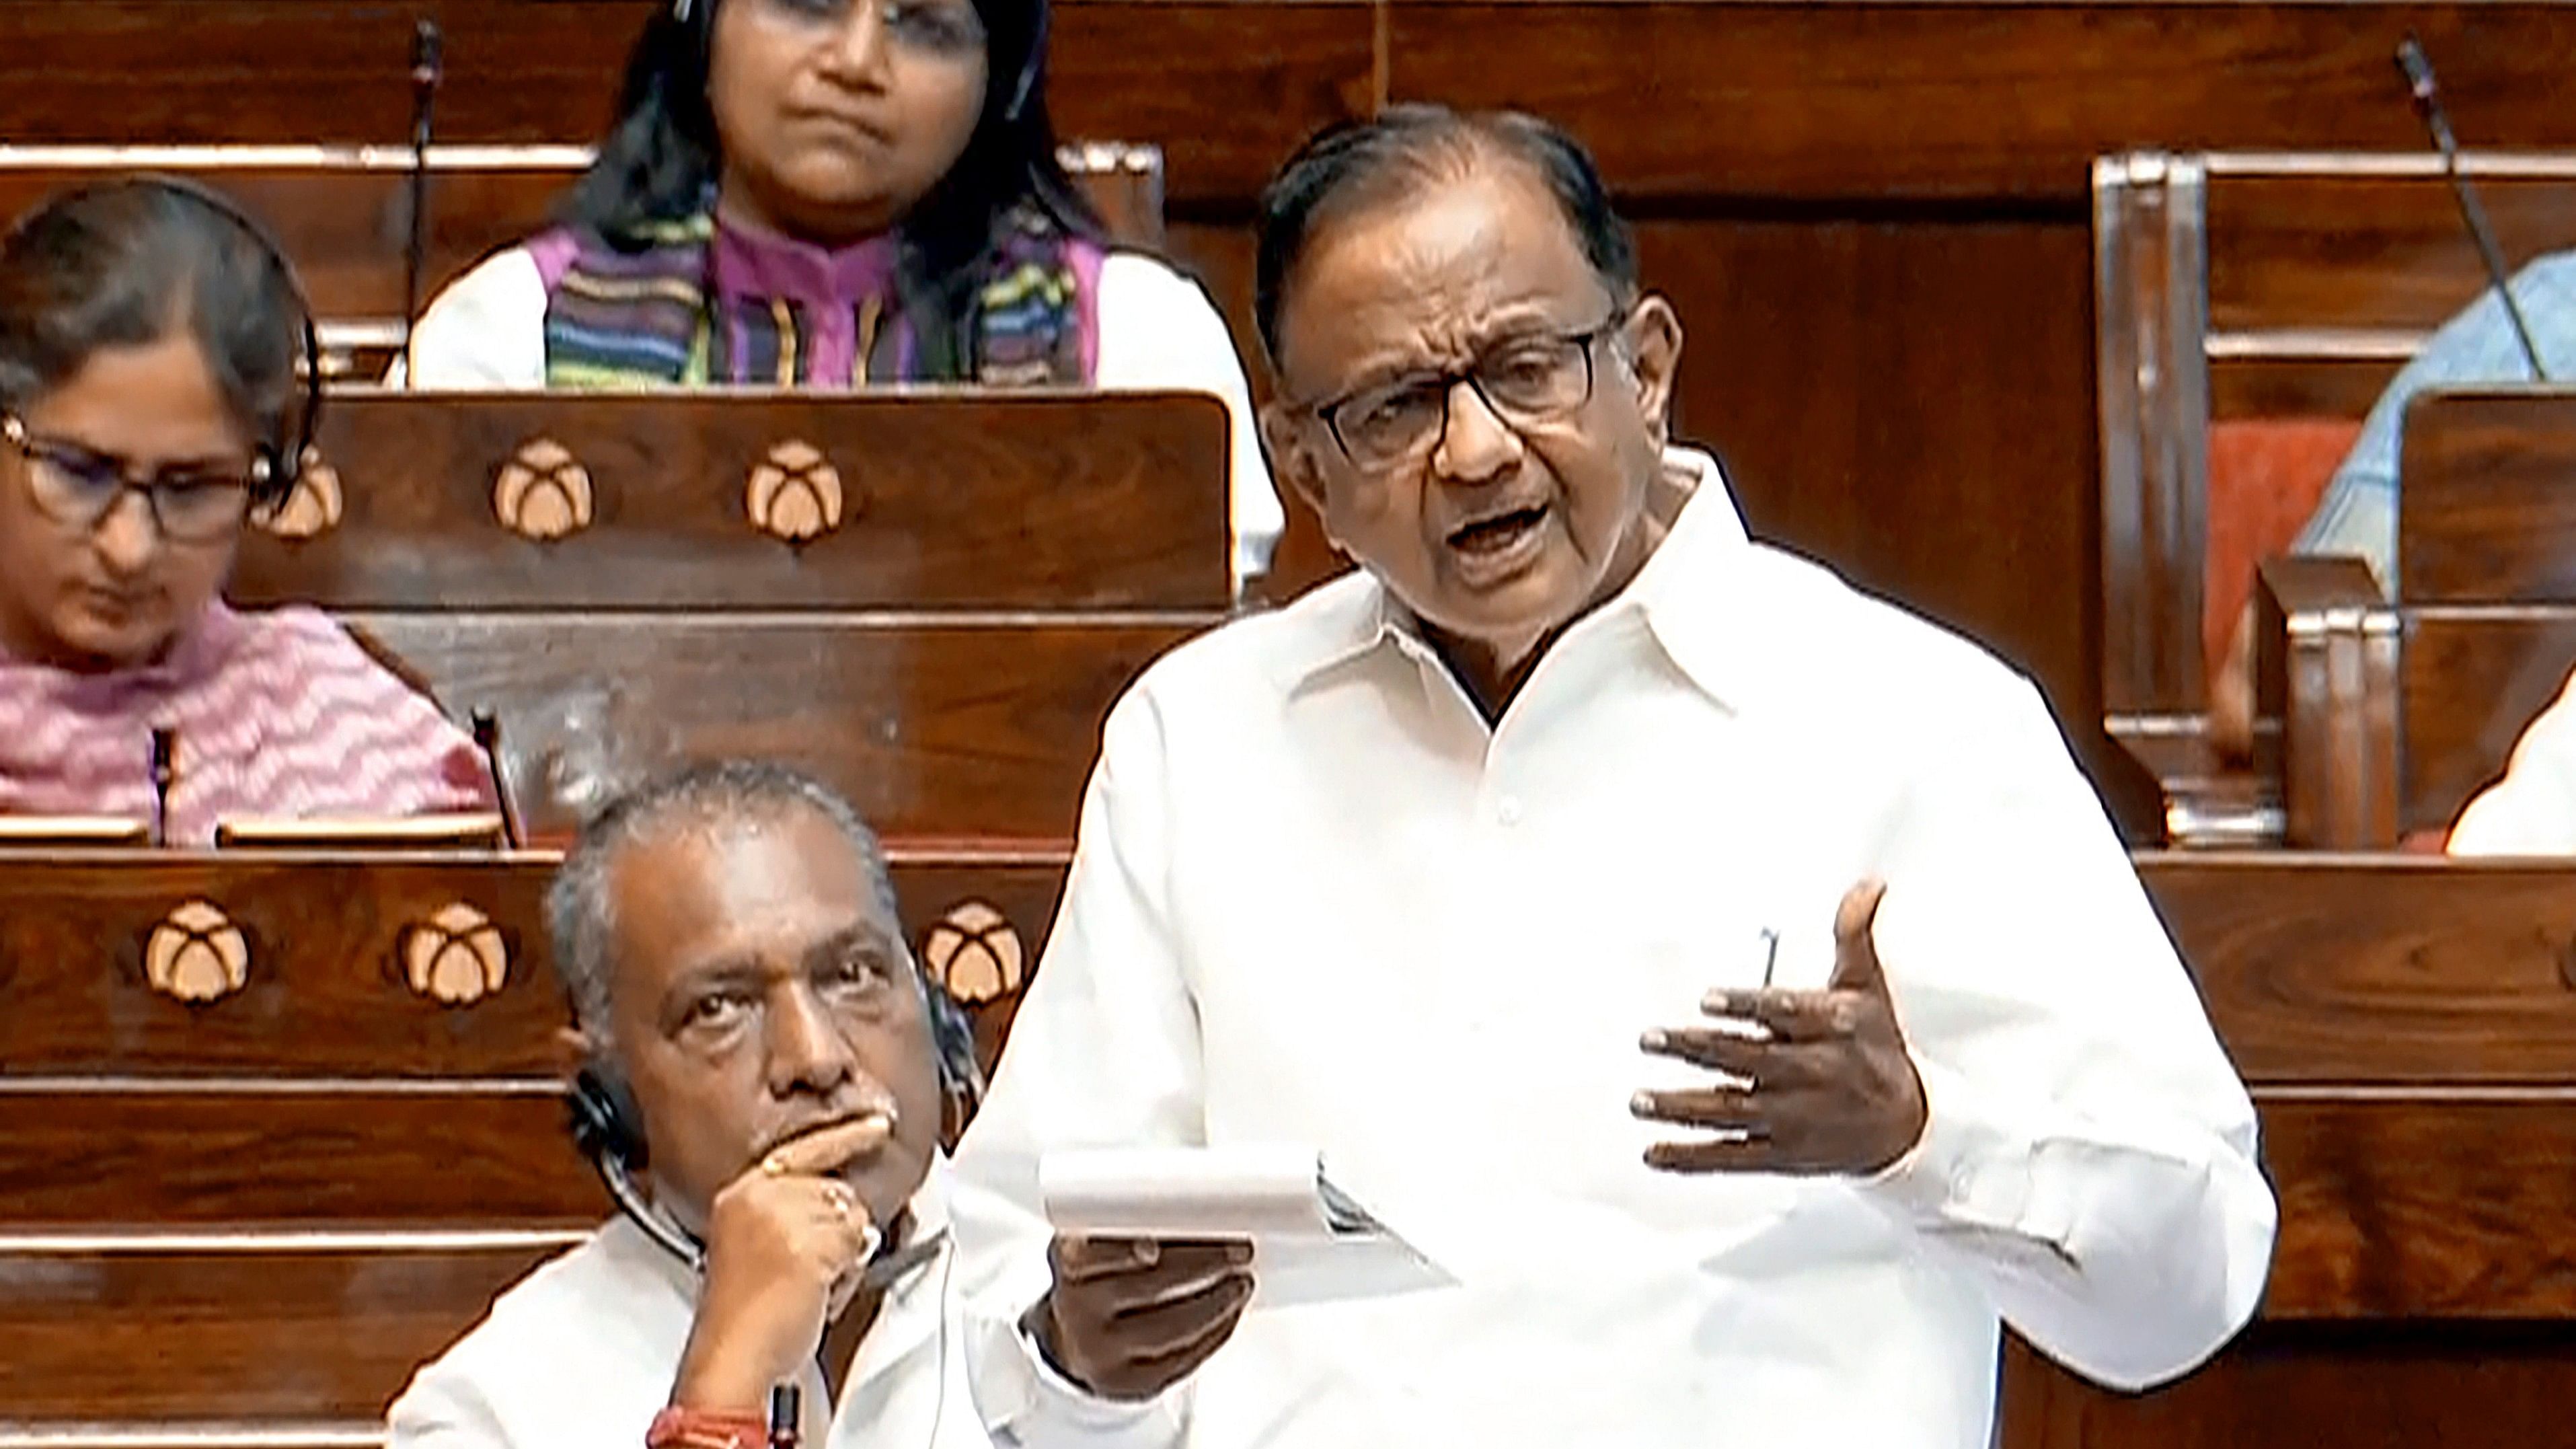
x=662 y=157
x=124 y=263
x=1403 y=148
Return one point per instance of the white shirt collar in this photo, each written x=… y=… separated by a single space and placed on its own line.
x=1682 y=592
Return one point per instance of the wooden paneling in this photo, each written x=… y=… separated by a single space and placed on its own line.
x=326 y=994
x=1984 y=100
x=2375 y=251
x=295 y=70
x=2488 y=512
x=2367 y=1386
x=2422 y=1204
x=324 y=991
x=1258 y=78
x=252 y=1335
x=347 y=227
x=1228 y=90
x=2396 y=972
x=2425 y=1274
x=965 y=730
x=1070 y=501
x=2297 y=387
x=81 y=1157
x=2474 y=681
x=2406 y=1025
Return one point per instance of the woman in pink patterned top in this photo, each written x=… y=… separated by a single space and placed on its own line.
x=149 y=339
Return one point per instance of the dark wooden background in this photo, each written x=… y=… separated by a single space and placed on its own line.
x=1873 y=216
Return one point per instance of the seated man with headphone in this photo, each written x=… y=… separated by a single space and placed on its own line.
x=764 y=1055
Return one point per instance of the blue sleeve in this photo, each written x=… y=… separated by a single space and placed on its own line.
x=2358 y=514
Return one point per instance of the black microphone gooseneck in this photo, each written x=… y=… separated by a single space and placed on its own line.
x=427 y=68
x=487 y=738
x=165 y=753
x=2427 y=93
x=786 y=1411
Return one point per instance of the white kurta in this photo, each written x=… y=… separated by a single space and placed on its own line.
x=1316 y=900
x=1158 y=332
x=581 y=1354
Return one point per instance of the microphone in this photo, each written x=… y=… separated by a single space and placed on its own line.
x=487 y=738
x=428 y=65
x=2420 y=84
x=165 y=751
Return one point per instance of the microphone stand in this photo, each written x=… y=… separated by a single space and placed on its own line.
x=165 y=750
x=427 y=68
x=487 y=738
x=786 y=1410
x=2426 y=91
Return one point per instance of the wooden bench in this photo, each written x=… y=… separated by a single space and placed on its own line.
x=2408 y=1032
x=275 y=1128
x=2249 y=309
x=280 y=1199
x=931 y=601
x=2393 y=714
x=344 y=213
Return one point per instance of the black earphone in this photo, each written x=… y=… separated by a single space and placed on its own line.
x=608 y=1128
x=685 y=11
x=279 y=461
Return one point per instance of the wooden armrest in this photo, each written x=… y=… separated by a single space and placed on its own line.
x=2325 y=679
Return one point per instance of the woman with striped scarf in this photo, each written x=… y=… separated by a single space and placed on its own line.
x=839 y=194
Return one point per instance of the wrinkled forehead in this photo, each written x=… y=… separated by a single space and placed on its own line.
x=1427 y=272
x=770 y=884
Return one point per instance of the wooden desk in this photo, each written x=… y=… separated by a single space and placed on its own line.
x=275 y=1128
x=2408 y=1030
x=930 y=601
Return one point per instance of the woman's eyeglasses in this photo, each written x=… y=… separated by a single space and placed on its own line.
x=1525 y=380
x=77 y=488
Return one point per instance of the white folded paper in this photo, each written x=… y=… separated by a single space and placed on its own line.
x=1312 y=1242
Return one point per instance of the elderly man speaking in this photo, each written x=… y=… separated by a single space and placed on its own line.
x=1726 y=976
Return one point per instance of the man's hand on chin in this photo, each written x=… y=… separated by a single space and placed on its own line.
x=785 y=1243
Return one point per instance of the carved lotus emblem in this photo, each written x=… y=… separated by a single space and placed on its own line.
x=313 y=507
x=975 y=953
x=794 y=494
x=456 y=956
x=197 y=954
x=543 y=493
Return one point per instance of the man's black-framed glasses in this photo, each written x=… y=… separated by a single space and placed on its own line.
x=77 y=488
x=1529 y=379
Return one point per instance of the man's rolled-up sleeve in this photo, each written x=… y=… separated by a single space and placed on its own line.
x=2090 y=1154
x=1104 y=1050
x=444 y=1409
